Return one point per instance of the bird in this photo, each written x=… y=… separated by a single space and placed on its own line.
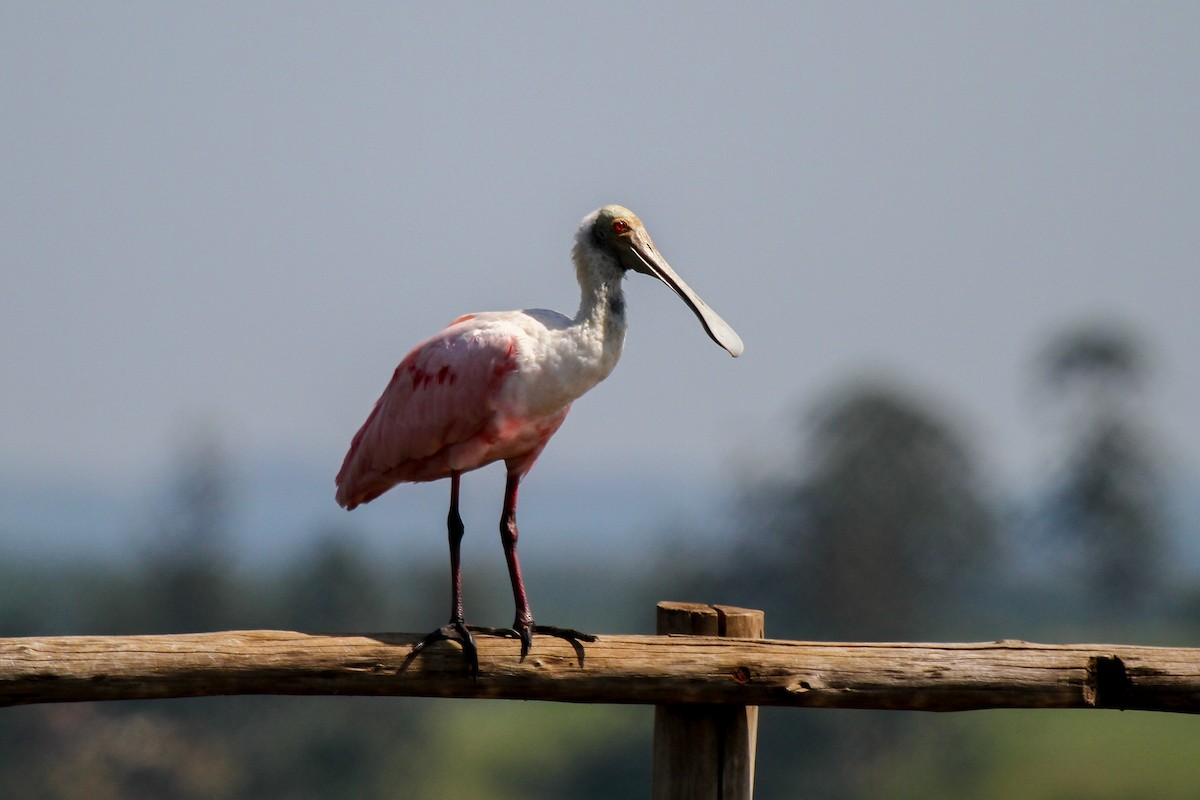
x=495 y=386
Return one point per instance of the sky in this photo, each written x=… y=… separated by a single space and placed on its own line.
x=241 y=216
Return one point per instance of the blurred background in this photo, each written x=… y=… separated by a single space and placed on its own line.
x=960 y=243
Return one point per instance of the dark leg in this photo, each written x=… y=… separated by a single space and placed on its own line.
x=523 y=625
x=455 y=528
x=457 y=630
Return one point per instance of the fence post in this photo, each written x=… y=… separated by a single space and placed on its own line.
x=705 y=752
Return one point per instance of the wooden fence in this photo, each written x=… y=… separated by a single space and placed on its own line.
x=705 y=672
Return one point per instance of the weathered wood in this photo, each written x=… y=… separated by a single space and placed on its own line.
x=703 y=751
x=652 y=670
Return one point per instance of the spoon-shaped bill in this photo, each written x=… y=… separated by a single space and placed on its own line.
x=649 y=262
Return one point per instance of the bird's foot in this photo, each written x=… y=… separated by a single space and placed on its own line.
x=458 y=631
x=525 y=633
x=455 y=631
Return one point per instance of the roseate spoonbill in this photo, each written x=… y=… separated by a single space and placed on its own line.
x=495 y=386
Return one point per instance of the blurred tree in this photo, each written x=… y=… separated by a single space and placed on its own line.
x=879 y=530
x=334 y=588
x=1108 y=505
x=883 y=521
x=187 y=563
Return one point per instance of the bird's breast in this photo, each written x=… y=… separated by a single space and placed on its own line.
x=555 y=365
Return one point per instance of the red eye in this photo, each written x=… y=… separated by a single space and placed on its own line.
x=620 y=226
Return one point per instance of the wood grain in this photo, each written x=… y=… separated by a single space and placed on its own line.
x=652 y=670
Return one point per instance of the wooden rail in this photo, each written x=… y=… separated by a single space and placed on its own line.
x=655 y=670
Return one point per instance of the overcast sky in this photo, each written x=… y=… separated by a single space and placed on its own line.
x=246 y=213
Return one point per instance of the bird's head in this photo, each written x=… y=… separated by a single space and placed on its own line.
x=615 y=234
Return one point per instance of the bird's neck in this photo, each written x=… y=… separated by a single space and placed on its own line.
x=601 y=301
x=599 y=326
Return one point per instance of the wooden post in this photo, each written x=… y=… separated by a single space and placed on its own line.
x=705 y=752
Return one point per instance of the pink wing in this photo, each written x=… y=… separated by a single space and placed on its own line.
x=443 y=394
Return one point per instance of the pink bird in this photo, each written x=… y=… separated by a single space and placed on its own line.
x=495 y=386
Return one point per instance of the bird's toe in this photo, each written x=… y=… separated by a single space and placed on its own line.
x=455 y=631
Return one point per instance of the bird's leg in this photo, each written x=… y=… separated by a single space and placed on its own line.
x=523 y=626
x=455 y=529
x=456 y=630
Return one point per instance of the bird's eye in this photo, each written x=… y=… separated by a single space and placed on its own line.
x=620 y=226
